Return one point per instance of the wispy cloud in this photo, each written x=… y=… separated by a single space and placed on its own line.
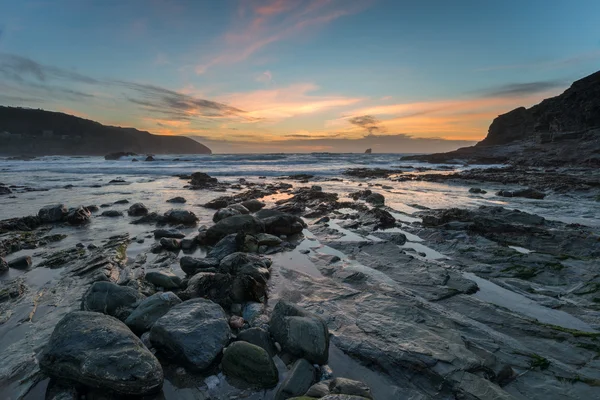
x=524 y=89
x=19 y=68
x=367 y=122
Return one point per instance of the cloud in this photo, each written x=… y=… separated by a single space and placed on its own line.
x=368 y=122
x=265 y=77
x=19 y=68
x=552 y=64
x=524 y=89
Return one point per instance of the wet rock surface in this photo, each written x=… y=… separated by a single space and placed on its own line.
x=250 y=363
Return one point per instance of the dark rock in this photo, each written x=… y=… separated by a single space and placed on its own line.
x=258 y=337
x=527 y=193
x=168 y=233
x=165 y=280
x=149 y=158
x=181 y=217
x=118 y=180
x=52 y=213
x=476 y=190
x=92 y=208
x=192 y=266
x=78 y=216
x=283 y=224
x=101 y=352
x=170 y=244
x=189 y=243
x=202 y=180
x=298 y=380
x=224 y=247
x=108 y=298
x=112 y=213
x=381 y=219
x=217 y=204
x=118 y=155
x=300 y=333
x=122 y=201
x=240 y=208
x=253 y=205
x=137 y=210
x=265 y=239
x=23 y=262
x=178 y=200
x=246 y=263
x=193 y=333
x=150 y=310
x=371 y=172
x=234 y=224
x=223 y=213
x=3 y=265
x=250 y=363
x=367 y=195
x=350 y=387
x=4 y=190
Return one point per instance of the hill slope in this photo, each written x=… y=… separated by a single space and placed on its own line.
x=39 y=132
x=561 y=130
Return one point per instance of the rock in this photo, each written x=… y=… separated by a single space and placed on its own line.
x=258 y=337
x=240 y=208
x=134 y=160
x=234 y=224
x=3 y=265
x=240 y=263
x=92 y=208
x=137 y=210
x=192 y=266
x=168 y=233
x=181 y=217
x=253 y=205
x=350 y=387
x=52 y=213
x=149 y=158
x=78 y=216
x=225 y=213
x=300 y=333
x=265 y=239
x=23 y=262
x=476 y=190
x=163 y=279
x=99 y=351
x=249 y=244
x=367 y=195
x=527 y=193
x=170 y=244
x=119 y=154
x=215 y=204
x=342 y=397
x=236 y=322
x=319 y=389
x=250 y=363
x=108 y=298
x=189 y=243
x=193 y=333
x=150 y=310
x=4 y=190
x=224 y=247
x=298 y=380
x=283 y=224
x=202 y=180
x=252 y=311
x=122 y=201
x=112 y=213
x=371 y=172
x=178 y=200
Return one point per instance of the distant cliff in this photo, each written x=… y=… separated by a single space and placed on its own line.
x=561 y=130
x=38 y=132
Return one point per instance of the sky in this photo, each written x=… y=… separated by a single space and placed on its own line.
x=296 y=75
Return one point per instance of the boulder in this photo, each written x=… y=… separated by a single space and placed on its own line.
x=377 y=199
x=137 y=210
x=476 y=190
x=350 y=387
x=108 y=298
x=300 y=333
x=258 y=337
x=192 y=266
x=177 y=200
x=166 y=280
x=150 y=158
x=52 y=213
x=217 y=203
x=201 y=180
x=4 y=190
x=184 y=217
x=150 y=310
x=78 y=216
x=193 y=333
x=526 y=193
x=284 y=224
x=122 y=201
x=112 y=213
x=251 y=364
x=224 y=247
x=23 y=262
x=234 y=224
x=240 y=208
x=253 y=205
x=170 y=244
x=265 y=239
x=189 y=243
x=225 y=213
x=298 y=380
x=240 y=263
x=101 y=352
x=168 y=233
x=3 y=265
x=226 y=289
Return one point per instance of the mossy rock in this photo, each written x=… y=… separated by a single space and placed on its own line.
x=250 y=363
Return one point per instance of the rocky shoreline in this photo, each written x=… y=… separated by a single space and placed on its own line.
x=291 y=291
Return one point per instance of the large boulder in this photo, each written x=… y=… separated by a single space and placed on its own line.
x=283 y=224
x=52 y=213
x=23 y=262
x=224 y=247
x=226 y=289
x=259 y=337
x=300 y=333
x=168 y=233
x=202 y=180
x=78 y=216
x=298 y=380
x=170 y=244
x=108 y=298
x=112 y=213
x=184 y=217
x=192 y=266
x=193 y=333
x=101 y=352
x=246 y=264
x=137 y=210
x=223 y=213
x=234 y=224
x=150 y=310
x=250 y=363
x=253 y=205
x=163 y=279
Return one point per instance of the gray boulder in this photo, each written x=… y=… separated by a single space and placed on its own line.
x=184 y=217
x=170 y=244
x=192 y=266
x=177 y=200
x=283 y=224
x=150 y=310
x=225 y=213
x=377 y=199
x=166 y=280
x=246 y=264
x=258 y=337
x=234 y=224
x=193 y=333
x=300 y=333
x=52 y=213
x=168 y=233
x=137 y=210
x=108 y=298
x=23 y=262
x=224 y=247
x=78 y=216
x=349 y=387
x=240 y=208
x=253 y=205
x=112 y=213
x=101 y=352
x=251 y=364
x=298 y=380
x=265 y=239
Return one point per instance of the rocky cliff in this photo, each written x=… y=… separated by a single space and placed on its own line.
x=39 y=132
x=561 y=130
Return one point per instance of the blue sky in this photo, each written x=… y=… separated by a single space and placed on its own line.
x=296 y=75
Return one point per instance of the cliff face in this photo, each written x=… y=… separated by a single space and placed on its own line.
x=562 y=130
x=38 y=132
